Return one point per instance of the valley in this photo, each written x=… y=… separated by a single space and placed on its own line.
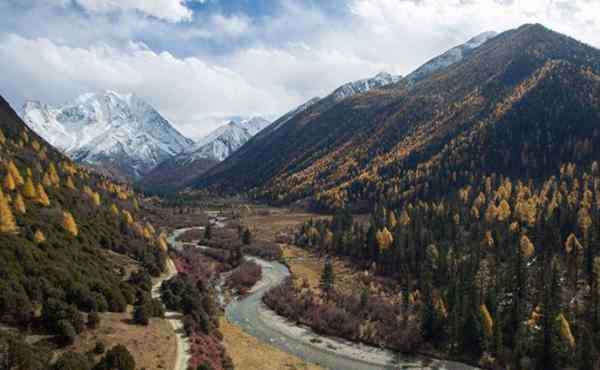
x=447 y=218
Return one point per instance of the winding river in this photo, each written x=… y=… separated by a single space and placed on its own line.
x=254 y=318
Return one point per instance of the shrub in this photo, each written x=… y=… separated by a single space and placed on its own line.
x=73 y=361
x=93 y=320
x=117 y=358
x=99 y=348
x=66 y=333
x=142 y=314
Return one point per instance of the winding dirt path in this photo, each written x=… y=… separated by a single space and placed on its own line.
x=174 y=318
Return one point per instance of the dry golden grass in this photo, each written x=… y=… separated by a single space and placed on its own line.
x=248 y=353
x=267 y=223
x=153 y=346
x=306 y=266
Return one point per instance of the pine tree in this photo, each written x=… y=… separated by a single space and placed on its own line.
x=247 y=237
x=7 y=220
x=208 y=231
x=69 y=223
x=327 y=281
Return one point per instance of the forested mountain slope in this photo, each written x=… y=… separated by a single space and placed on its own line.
x=59 y=228
x=517 y=105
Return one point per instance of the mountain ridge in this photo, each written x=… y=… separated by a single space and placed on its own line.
x=387 y=132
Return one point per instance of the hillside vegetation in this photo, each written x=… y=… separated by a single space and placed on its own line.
x=60 y=225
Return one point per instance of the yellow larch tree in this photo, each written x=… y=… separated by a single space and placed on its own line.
x=9 y=182
x=19 y=204
x=39 y=237
x=7 y=219
x=503 y=211
x=46 y=180
x=384 y=239
x=70 y=184
x=128 y=217
x=2 y=138
x=29 y=190
x=487 y=321
x=565 y=330
x=96 y=200
x=162 y=242
x=491 y=214
x=404 y=218
x=526 y=246
x=114 y=210
x=392 y=222
x=42 y=196
x=69 y=223
x=36 y=145
x=14 y=171
x=572 y=244
x=53 y=174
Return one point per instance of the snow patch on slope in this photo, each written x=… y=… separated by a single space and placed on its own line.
x=450 y=57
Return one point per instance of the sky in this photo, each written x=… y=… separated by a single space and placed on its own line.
x=201 y=61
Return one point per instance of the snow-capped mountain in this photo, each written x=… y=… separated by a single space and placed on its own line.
x=450 y=57
x=361 y=86
x=204 y=154
x=119 y=131
x=223 y=141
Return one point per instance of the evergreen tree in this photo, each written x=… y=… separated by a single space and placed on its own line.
x=326 y=284
x=247 y=237
x=208 y=231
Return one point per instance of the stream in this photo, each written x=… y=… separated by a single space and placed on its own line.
x=250 y=314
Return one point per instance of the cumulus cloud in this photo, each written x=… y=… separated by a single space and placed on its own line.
x=186 y=90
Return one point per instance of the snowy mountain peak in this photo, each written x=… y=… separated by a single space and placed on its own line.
x=361 y=86
x=120 y=130
x=224 y=140
x=450 y=57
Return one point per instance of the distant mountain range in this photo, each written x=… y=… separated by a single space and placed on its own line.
x=126 y=137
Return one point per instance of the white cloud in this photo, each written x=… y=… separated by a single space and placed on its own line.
x=411 y=31
x=168 y=10
x=185 y=90
x=233 y=25
x=241 y=64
